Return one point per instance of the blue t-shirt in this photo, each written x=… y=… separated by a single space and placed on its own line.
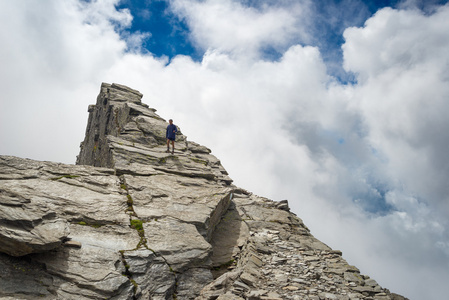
x=171 y=132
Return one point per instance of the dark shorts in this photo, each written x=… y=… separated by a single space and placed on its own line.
x=171 y=139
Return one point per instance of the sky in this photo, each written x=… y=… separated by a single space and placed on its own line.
x=338 y=106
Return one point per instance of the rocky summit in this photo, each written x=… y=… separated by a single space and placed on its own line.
x=131 y=221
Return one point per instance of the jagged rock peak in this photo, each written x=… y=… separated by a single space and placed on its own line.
x=131 y=221
x=127 y=135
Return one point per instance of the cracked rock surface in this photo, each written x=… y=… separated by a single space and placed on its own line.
x=278 y=258
x=131 y=221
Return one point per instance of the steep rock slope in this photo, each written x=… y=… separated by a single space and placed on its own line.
x=131 y=221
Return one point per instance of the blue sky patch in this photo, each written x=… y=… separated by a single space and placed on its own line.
x=373 y=200
x=170 y=35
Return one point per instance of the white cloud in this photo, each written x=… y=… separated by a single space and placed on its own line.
x=283 y=129
x=232 y=27
x=402 y=61
x=52 y=54
x=402 y=93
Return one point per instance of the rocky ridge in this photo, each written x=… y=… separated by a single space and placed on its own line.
x=131 y=221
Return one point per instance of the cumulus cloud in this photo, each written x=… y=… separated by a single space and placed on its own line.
x=363 y=164
x=233 y=27
x=403 y=91
x=54 y=52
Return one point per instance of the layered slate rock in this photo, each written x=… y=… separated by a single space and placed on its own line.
x=278 y=258
x=40 y=199
x=178 y=198
x=131 y=221
x=86 y=262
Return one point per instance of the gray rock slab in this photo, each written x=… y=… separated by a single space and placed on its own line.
x=228 y=237
x=18 y=239
x=143 y=264
x=179 y=243
x=23 y=279
x=96 y=268
x=40 y=198
x=193 y=200
x=75 y=199
x=192 y=281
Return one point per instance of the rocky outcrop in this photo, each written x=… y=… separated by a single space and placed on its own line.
x=131 y=221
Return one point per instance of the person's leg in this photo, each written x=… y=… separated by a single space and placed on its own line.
x=168 y=145
x=173 y=147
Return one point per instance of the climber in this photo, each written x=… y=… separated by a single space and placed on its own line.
x=171 y=135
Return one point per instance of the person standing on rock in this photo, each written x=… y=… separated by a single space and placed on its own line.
x=171 y=135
